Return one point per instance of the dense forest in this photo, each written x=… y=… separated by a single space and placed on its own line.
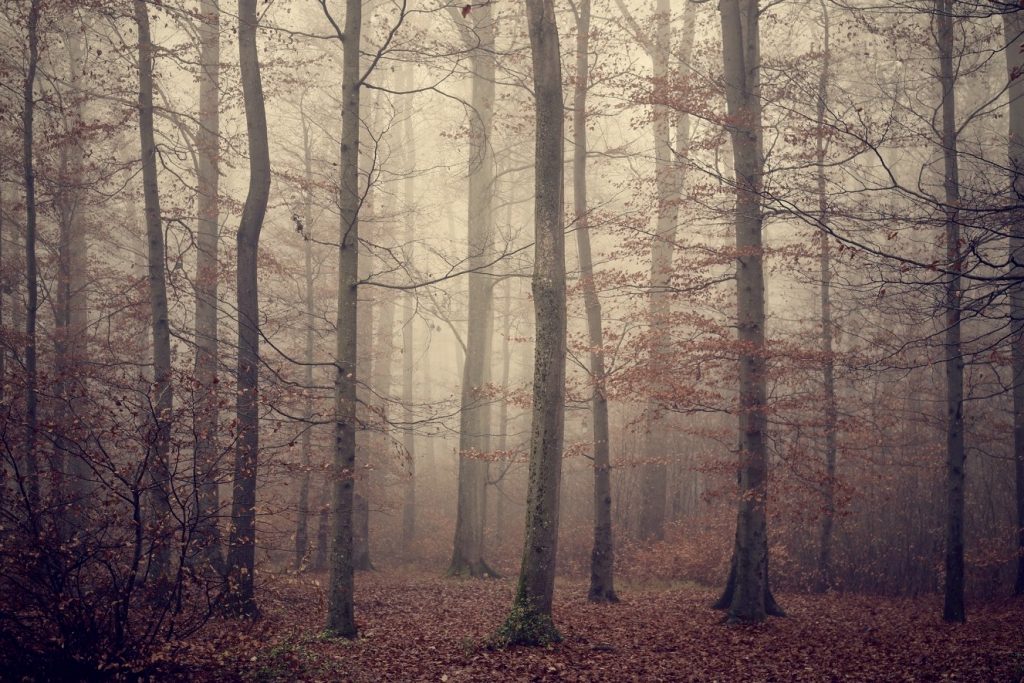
x=511 y=340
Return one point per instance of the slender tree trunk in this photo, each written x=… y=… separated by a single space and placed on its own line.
x=475 y=416
x=955 y=451
x=340 y=613
x=747 y=594
x=207 y=412
x=602 y=585
x=159 y=443
x=501 y=496
x=654 y=473
x=530 y=622
x=302 y=523
x=31 y=276
x=825 y=579
x=408 y=341
x=242 y=540
x=1013 y=30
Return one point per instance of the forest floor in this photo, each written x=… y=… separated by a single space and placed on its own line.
x=420 y=627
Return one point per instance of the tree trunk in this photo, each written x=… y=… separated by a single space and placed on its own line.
x=825 y=579
x=408 y=341
x=302 y=523
x=747 y=589
x=955 y=452
x=31 y=273
x=475 y=415
x=242 y=541
x=207 y=412
x=602 y=585
x=529 y=622
x=1013 y=29
x=159 y=442
x=340 y=613
x=654 y=473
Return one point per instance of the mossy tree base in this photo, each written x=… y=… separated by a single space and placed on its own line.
x=526 y=626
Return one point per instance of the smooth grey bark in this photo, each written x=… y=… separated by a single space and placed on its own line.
x=72 y=301
x=953 y=609
x=500 y=496
x=306 y=460
x=242 y=539
x=340 y=613
x=408 y=339
x=158 y=466
x=602 y=584
x=825 y=578
x=31 y=266
x=747 y=593
x=1013 y=30
x=207 y=411
x=529 y=622
x=475 y=414
x=654 y=474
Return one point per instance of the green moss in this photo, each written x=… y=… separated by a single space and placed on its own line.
x=526 y=626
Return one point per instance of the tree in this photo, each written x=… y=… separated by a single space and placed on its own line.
x=340 y=614
x=953 y=609
x=242 y=540
x=207 y=409
x=529 y=622
x=828 y=365
x=1013 y=30
x=163 y=400
x=747 y=595
x=31 y=266
x=475 y=414
x=602 y=559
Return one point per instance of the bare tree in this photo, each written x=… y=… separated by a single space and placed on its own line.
x=602 y=558
x=475 y=416
x=31 y=266
x=207 y=409
x=828 y=364
x=747 y=596
x=529 y=622
x=242 y=540
x=340 y=614
x=1013 y=30
x=953 y=609
x=163 y=400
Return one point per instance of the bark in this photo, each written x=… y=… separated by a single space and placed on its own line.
x=953 y=609
x=302 y=523
x=31 y=267
x=340 y=613
x=825 y=578
x=500 y=495
x=159 y=442
x=242 y=540
x=475 y=415
x=207 y=412
x=654 y=474
x=602 y=584
x=747 y=589
x=1013 y=29
x=72 y=305
x=408 y=341
x=529 y=621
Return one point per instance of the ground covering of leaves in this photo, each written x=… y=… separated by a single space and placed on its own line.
x=422 y=627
